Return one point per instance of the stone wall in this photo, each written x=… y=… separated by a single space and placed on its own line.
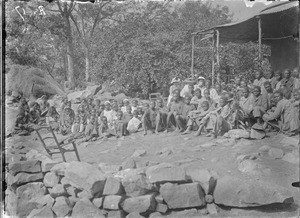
x=41 y=187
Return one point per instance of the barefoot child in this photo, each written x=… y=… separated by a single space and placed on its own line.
x=90 y=132
x=150 y=118
x=182 y=116
x=121 y=125
x=134 y=123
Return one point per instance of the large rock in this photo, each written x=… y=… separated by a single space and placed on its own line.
x=182 y=196
x=116 y=214
x=238 y=134
x=22 y=178
x=236 y=192
x=136 y=183
x=206 y=178
x=112 y=202
x=257 y=134
x=42 y=212
x=50 y=179
x=113 y=186
x=292 y=158
x=62 y=207
x=134 y=215
x=129 y=163
x=57 y=190
x=165 y=173
x=106 y=168
x=141 y=204
x=30 y=166
x=85 y=208
x=60 y=168
x=276 y=153
x=98 y=202
x=85 y=176
x=139 y=153
x=85 y=194
x=45 y=200
x=162 y=208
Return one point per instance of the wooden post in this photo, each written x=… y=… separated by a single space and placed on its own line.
x=259 y=40
x=218 y=55
x=192 y=64
x=213 y=60
x=299 y=45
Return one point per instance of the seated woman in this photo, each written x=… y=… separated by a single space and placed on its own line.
x=22 y=124
x=52 y=118
x=288 y=119
x=217 y=120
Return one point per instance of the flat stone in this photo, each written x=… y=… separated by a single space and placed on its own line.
x=249 y=167
x=212 y=209
x=134 y=215
x=291 y=158
x=65 y=182
x=257 y=134
x=85 y=208
x=276 y=153
x=129 y=164
x=45 y=200
x=50 y=179
x=72 y=190
x=206 y=178
x=73 y=200
x=112 y=202
x=60 y=168
x=156 y=215
x=57 y=191
x=238 y=134
x=104 y=167
x=85 y=176
x=113 y=186
x=116 y=214
x=31 y=190
x=236 y=192
x=182 y=196
x=136 y=183
x=264 y=148
x=42 y=212
x=139 y=153
x=98 y=202
x=61 y=207
x=159 y=199
x=30 y=166
x=162 y=208
x=47 y=164
x=142 y=204
x=85 y=194
x=22 y=178
x=165 y=173
x=186 y=213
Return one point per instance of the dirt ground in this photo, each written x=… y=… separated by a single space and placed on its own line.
x=187 y=150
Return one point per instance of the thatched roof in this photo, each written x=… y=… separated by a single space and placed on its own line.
x=31 y=81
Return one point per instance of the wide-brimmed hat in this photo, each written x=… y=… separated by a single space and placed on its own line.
x=200 y=77
x=189 y=81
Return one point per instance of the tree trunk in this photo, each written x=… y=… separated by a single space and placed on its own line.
x=87 y=65
x=70 y=54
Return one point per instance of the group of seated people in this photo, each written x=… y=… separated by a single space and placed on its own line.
x=266 y=104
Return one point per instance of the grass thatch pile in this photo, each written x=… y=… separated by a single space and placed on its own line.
x=31 y=81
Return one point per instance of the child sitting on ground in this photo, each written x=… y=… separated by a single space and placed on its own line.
x=22 y=125
x=90 y=132
x=162 y=114
x=121 y=125
x=150 y=118
x=77 y=130
x=134 y=123
x=103 y=130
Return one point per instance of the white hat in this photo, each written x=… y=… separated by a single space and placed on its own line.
x=107 y=102
x=125 y=100
x=175 y=80
x=201 y=77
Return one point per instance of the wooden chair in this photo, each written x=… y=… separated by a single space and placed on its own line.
x=56 y=147
x=154 y=96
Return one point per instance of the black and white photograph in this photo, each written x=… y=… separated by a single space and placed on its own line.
x=150 y=109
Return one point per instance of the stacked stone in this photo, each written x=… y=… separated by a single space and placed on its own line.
x=79 y=189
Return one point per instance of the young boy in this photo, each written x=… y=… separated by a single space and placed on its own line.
x=134 y=105
x=150 y=118
x=104 y=131
x=175 y=108
x=90 y=132
x=134 y=123
x=162 y=114
x=182 y=116
x=121 y=125
x=196 y=116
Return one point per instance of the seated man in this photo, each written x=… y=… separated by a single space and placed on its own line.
x=196 y=116
x=288 y=119
x=246 y=106
x=217 y=120
x=182 y=117
x=260 y=104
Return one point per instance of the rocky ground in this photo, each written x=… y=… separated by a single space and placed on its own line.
x=238 y=177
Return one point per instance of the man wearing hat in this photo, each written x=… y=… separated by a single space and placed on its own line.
x=200 y=84
x=188 y=89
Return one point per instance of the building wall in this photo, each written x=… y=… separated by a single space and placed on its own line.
x=284 y=54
